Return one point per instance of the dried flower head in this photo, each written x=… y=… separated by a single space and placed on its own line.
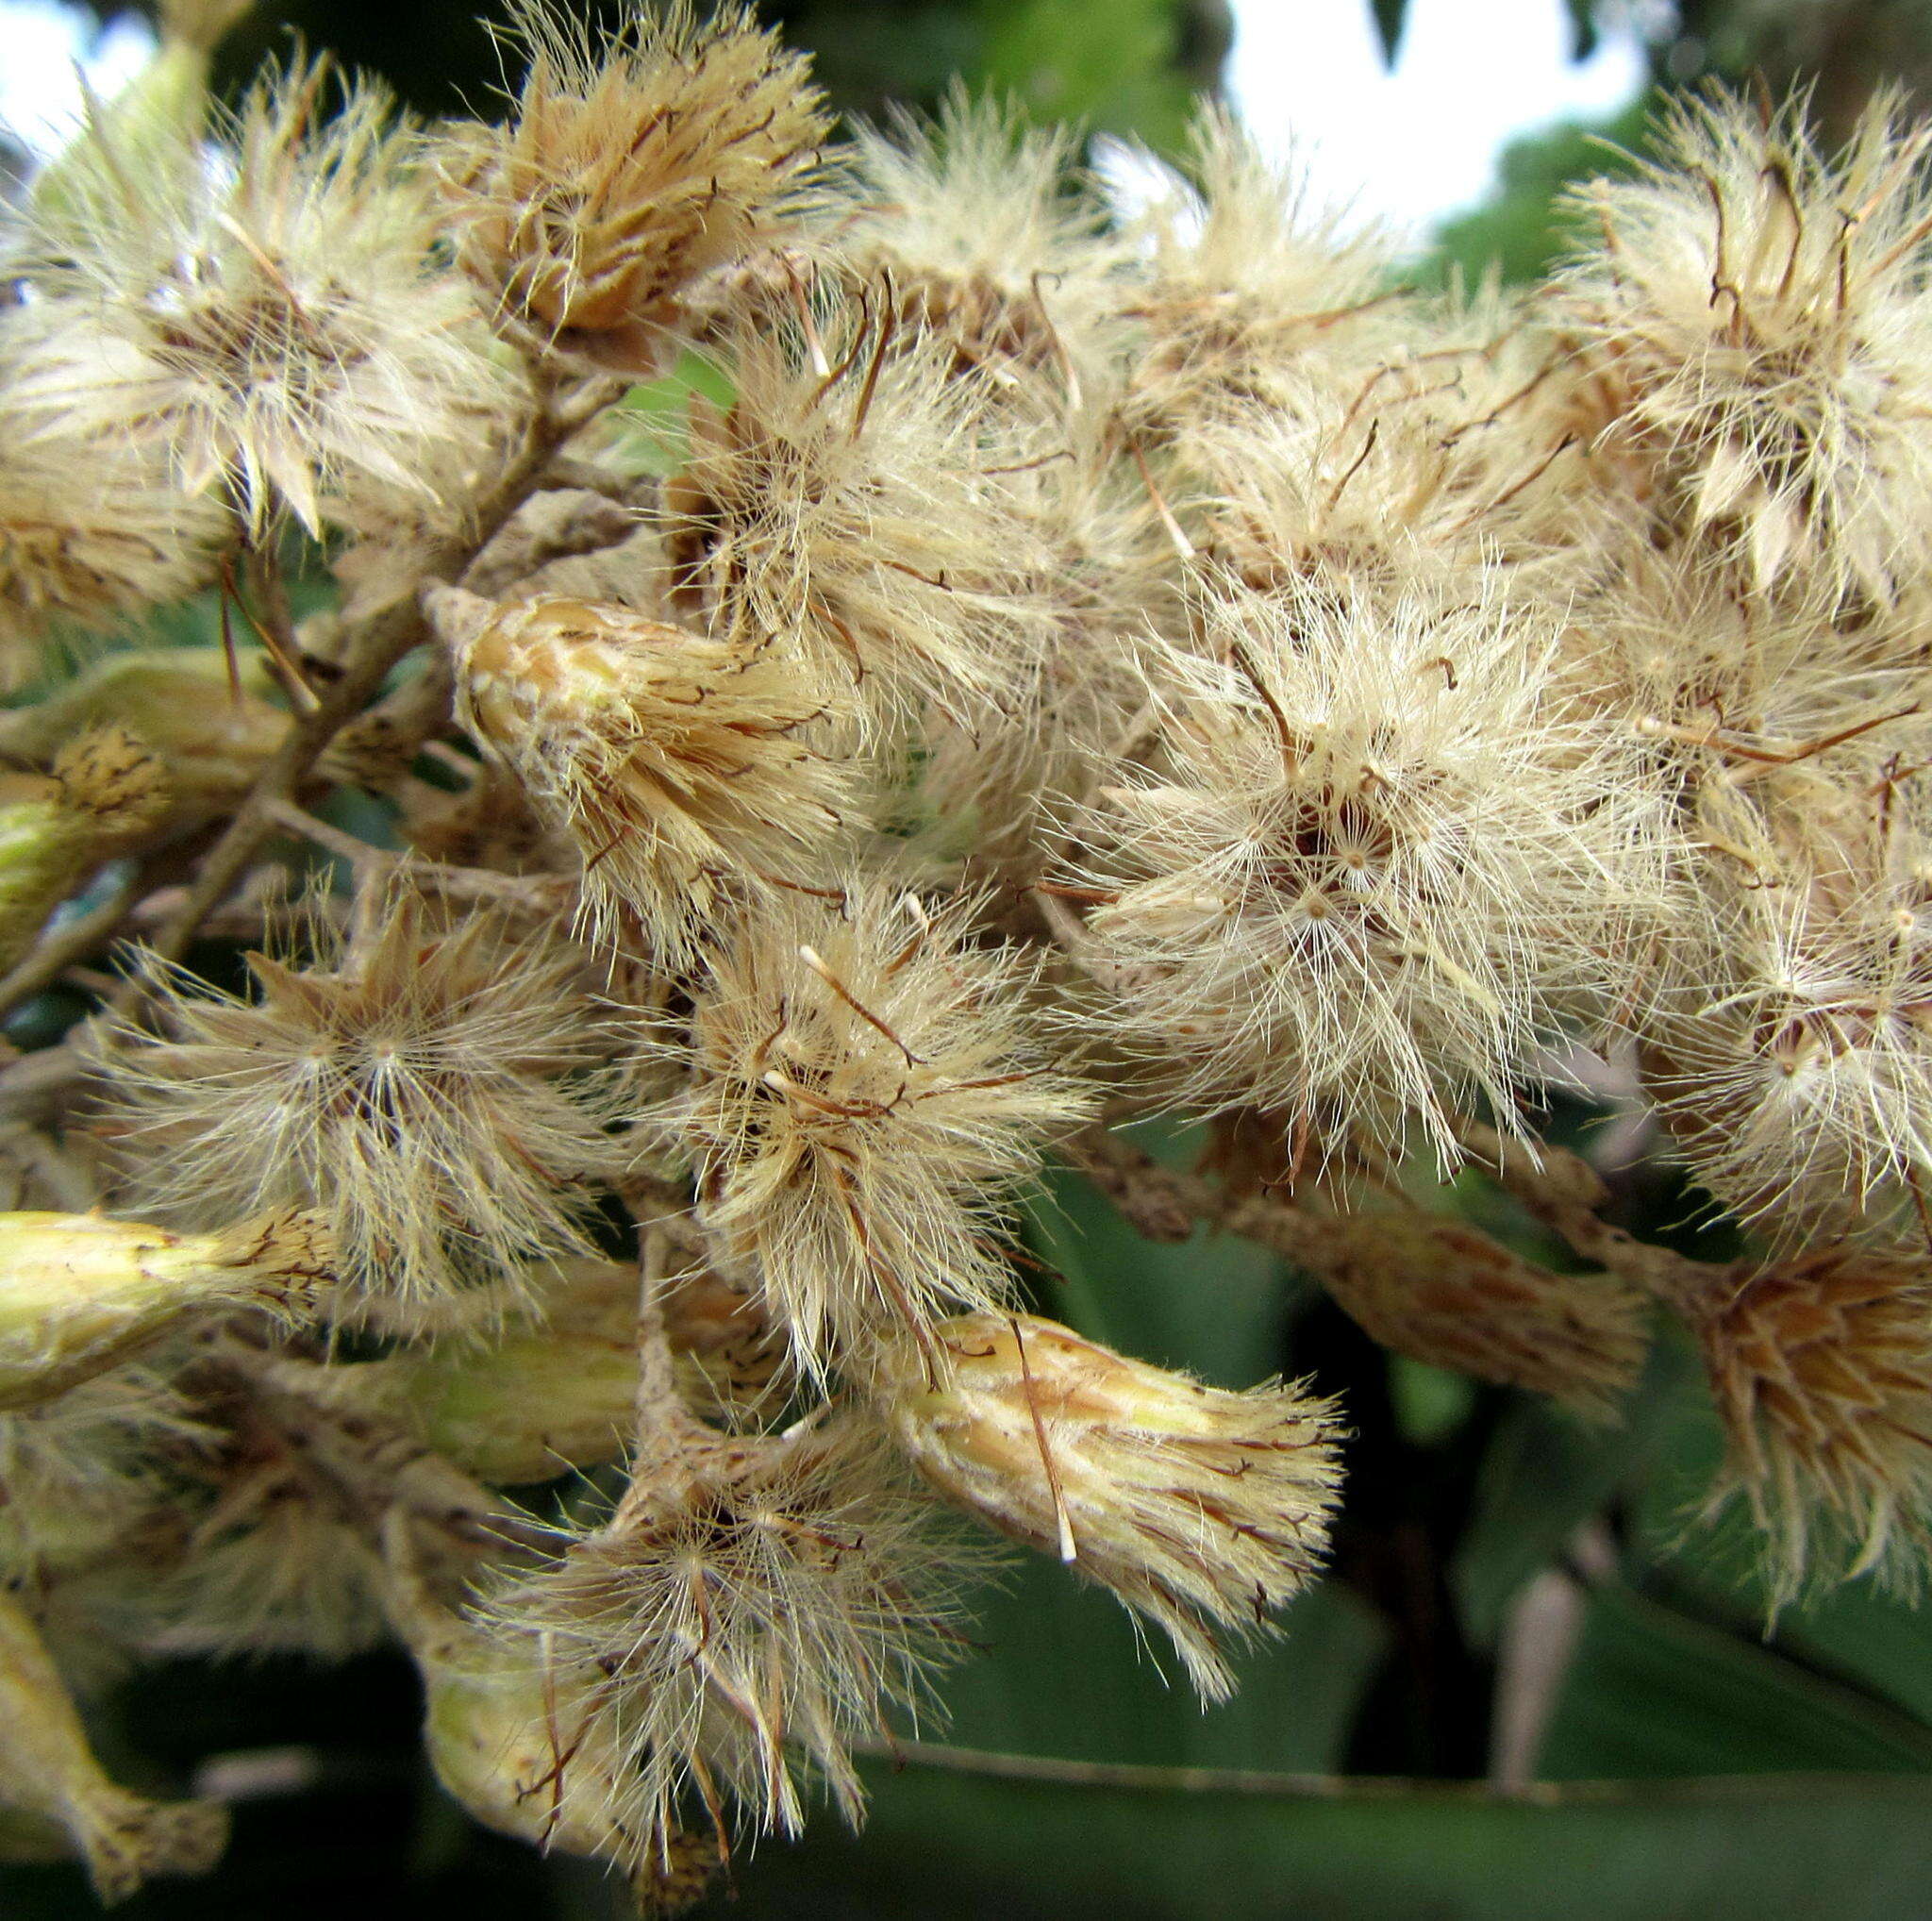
x=432 y=1091
x=1198 y=1507
x=1822 y=1370
x=1374 y=859
x=865 y=1095
x=273 y=1566
x=850 y=500
x=635 y=164
x=1244 y=281
x=1757 y=307
x=977 y=220
x=90 y=532
x=1435 y=1288
x=1790 y=1055
x=271 y=319
x=81 y=1471
x=681 y=765
x=750 y=1610
x=180 y=703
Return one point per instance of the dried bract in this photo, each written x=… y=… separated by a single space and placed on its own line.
x=1198 y=1507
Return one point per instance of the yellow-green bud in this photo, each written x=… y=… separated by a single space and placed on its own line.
x=213 y=736
x=1194 y=1504
x=79 y=1293
x=530 y=1408
x=47 y=1768
x=106 y=791
x=517 y=1746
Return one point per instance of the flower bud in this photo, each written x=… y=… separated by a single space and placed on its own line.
x=529 y=1407
x=518 y=1753
x=105 y=792
x=212 y=732
x=1194 y=1504
x=79 y=1293
x=47 y=1768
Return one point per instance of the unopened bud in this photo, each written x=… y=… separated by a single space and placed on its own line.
x=204 y=714
x=512 y=1745
x=105 y=792
x=79 y=1293
x=47 y=1768
x=533 y=1406
x=1194 y=1504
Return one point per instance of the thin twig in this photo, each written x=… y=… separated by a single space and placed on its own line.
x=1143 y=1778
x=459 y=883
x=1563 y=1192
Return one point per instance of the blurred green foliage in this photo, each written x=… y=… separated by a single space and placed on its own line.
x=1128 y=67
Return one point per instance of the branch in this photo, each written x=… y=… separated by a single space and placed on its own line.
x=1563 y=1192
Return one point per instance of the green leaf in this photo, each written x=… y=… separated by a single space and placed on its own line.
x=1212 y=1304
x=1546 y=1473
x=942 y=1845
x=1652 y=1692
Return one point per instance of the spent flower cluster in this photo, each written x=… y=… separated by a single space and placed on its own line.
x=542 y=1184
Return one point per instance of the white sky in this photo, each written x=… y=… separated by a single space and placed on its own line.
x=1407 y=146
x=1421 y=143
x=39 y=40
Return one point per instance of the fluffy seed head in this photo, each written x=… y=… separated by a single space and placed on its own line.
x=632 y=167
x=1244 y=282
x=748 y=1611
x=848 y=500
x=269 y=320
x=1791 y=1057
x=1759 y=306
x=975 y=219
x=410 y=1086
x=89 y=533
x=1198 y=1507
x=1372 y=861
x=864 y=1096
x=681 y=765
